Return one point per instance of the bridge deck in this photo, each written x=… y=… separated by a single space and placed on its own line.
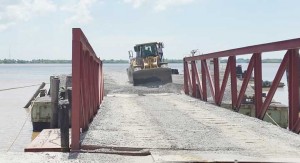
x=172 y=126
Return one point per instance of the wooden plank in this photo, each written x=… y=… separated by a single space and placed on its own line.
x=47 y=141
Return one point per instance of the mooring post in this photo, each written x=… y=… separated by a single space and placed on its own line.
x=54 y=91
x=68 y=84
x=69 y=93
x=64 y=125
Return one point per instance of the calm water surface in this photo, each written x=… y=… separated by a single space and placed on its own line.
x=16 y=129
x=269 y=71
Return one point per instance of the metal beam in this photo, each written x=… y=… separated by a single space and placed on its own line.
x=274 y=86
x=204 y=83
x=212 y=88
x=293 y=84
x=268 y=47
x=232 y=61
x=258 y=83
x=216 y=79
x=194 y=89
x=76 y=102
x=224 y=83
x=198 y=81
x=185 y=78
x=245 y=83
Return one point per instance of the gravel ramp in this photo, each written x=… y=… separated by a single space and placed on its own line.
x=176 y=127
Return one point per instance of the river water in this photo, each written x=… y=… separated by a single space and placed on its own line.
x=16 y=129
x=269 y=71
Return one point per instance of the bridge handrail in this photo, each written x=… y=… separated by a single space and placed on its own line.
x=261 y=48
x=195 y=83
x=87 y=85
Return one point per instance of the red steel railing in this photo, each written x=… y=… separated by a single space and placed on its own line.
x=87 y=85
x=196 y=83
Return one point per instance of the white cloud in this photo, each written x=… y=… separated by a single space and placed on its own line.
x=15 y=12
x=4 y=26
x=135 y=3
x=81 y=11
x=159 y=5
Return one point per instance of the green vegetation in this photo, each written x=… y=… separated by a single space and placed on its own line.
x=48 y=61
x=113 y=61
x=34 y=61
x=242 y=60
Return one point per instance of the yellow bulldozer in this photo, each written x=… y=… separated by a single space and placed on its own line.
x=148 y=66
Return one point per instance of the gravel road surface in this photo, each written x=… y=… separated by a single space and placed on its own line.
x=162 y=121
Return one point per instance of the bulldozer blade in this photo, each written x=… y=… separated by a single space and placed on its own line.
x=162 y=75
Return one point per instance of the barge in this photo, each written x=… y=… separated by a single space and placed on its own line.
x=44 y=105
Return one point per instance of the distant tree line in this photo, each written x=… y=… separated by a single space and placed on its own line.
x=34 y=61
x=115 y=61
x=49 y=61
x=242 y=60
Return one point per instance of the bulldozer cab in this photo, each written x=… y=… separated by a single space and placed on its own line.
x=149 y=50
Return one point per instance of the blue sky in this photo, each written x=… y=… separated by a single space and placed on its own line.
x=42 y=28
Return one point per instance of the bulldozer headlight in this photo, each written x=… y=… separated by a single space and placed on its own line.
x=137 y=68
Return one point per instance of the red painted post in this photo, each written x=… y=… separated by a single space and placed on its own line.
x=204 y=84
x=216 y=79
x=293 y=84
x=102 y=81
x=90 y=87
x=84 y=93
x=76 y=77
x=198 y=81
x=102 y=78
x=186 y=75
x=96 y=83
x=232 y=61
x=210 y=83
x=194 y=89
x=94 y=88
x=258 y=83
